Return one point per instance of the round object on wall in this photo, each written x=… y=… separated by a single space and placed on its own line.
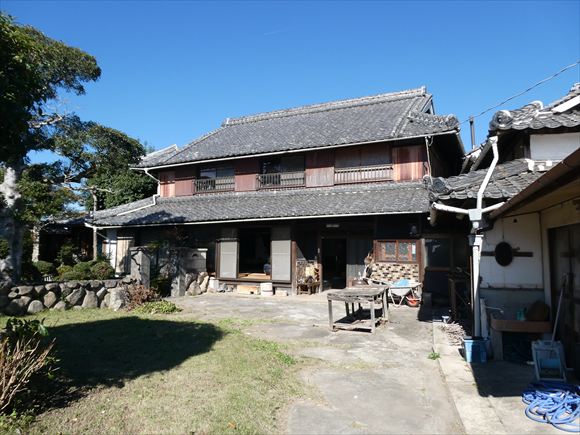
x=504 y=254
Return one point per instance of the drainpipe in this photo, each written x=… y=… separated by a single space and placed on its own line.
x=476 y=238
x=156 y=179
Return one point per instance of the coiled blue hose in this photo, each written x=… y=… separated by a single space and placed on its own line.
x=555 y=403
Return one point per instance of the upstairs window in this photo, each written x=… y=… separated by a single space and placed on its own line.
x=276 y=165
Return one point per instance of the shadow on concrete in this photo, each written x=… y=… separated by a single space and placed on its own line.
x=502 y=378
x=108 y=353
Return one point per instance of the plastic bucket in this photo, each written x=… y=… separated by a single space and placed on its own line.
x=474 y=350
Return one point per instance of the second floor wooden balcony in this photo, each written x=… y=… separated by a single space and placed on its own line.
x=281 y=179
x=218 y=184
x=363 y=174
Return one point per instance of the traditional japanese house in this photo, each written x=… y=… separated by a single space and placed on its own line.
x=531 y=244
x=320 y=186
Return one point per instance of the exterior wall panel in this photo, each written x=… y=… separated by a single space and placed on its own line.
x=246 y=175
x=319 y=168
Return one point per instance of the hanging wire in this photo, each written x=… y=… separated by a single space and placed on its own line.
x=523 y=92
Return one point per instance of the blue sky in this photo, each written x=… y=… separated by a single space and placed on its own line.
x=175 y=70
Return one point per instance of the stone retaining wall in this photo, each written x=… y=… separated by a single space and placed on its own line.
x=23 y=299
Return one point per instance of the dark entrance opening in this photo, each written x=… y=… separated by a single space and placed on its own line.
x=254 y=257
x=334 y=263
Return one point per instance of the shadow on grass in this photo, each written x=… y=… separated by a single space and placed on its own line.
x=107 y=353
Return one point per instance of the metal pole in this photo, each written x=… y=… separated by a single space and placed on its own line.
x=472 y=127
x=476 y=253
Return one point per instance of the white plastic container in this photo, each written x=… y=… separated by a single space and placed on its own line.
x=266 y=289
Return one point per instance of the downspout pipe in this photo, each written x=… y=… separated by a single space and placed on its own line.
x=146 y=170
x=476 y=238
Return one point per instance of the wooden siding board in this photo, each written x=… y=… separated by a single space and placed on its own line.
x=319 y=168
x=409 y=163
x=246 y=175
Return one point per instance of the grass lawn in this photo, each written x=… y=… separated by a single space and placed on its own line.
x=126 y=373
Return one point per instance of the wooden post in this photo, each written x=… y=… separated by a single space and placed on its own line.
x=330 y=315
x=95 y=250
x=372 y=302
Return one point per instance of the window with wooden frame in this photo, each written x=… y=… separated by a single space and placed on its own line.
x=396 y=251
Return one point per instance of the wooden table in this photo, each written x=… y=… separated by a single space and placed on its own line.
x=359 y=295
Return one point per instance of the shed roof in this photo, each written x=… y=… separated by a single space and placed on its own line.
x=350 y=200
x=507 y=180
x=395 y=115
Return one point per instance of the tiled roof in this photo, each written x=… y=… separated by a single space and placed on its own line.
x=507 y=180
x=535 y=116
x=159 y=156
x=410 y=197
x=367 y=119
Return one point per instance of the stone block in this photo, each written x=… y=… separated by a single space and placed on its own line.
x=111 y=283
x=101 y=293
x=13 y=295
x=60 y=306
x=40 y=290
x=118 y=298
x=71 y=285
x=53 y=287
x=65 y=291
x=26 y=300
x=50 y=299
x=76 y=296
x=25 y=290
x=35 y=307
x=90 y=300
x=106 y=301
x=95 y=284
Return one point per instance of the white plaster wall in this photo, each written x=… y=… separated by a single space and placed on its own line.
x=521 y=232
x=111 y=246
x=553 y=146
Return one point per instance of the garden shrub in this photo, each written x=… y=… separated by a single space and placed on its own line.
x=61 y=270
x=23 y=353
x=67 y=254
x=139 y=294
x=83 y=269
x=158 y=307
x=45 y=267
x=102 y=270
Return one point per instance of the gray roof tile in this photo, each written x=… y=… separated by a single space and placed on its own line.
x=410 y=197
x=508 y=179
x=367 y=119
x=535 y=116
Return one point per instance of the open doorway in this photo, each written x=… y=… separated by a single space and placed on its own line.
x=334 y=263
x=254 y=257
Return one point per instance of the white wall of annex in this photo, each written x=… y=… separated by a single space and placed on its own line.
x=523 y=233
x=553 y=146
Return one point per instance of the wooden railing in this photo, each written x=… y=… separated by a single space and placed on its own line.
x=219 y=184
x=281 y=179
x=361 y=174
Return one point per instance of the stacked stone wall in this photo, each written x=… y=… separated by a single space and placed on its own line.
x=31 y=299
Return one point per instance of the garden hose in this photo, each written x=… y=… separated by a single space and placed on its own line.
x=555 y=403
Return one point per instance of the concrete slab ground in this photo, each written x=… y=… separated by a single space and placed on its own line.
x=487 y=396
x=377 y=383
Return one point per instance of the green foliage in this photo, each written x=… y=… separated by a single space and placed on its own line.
x=33 y=68
x=45 y=267
x=95 y=269
x=16 y=329
x=125 y=185
x=23 y=354
x=4 y=248
x=62 y=269
x=67 y=254
x=274 y=349
x=102 y=270
x=434 y=356
x=157 y=307
x=43 y=198
x=15 y=422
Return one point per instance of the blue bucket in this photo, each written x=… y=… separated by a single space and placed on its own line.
x=474 y=350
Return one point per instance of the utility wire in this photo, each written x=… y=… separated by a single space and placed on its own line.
x=523 y=92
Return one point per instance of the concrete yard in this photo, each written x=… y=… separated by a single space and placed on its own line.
x=374 y=383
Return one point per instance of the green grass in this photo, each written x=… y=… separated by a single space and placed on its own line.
x=126 y=373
